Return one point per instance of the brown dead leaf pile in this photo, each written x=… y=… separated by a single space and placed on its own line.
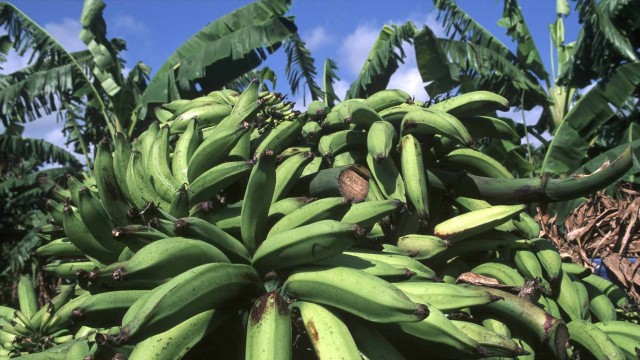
x=605 y=227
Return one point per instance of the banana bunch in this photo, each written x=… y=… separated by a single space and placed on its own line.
x=236 y=226
x=32 y=328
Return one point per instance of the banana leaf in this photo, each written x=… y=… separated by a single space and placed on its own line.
x=433 y=65
x=568 y=148
x=329 y=77
x=41 y=150
x=300 y=66
x=235 y=42
x=527 y=52
x=604 y=41
x=382 y=60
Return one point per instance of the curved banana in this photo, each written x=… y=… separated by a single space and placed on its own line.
x=380 y=140
x=414 y=176
x=328 y=334
x=338 y=287
x=257 y=200
x=472 y=103
x=306 y=244
x=596 y=341
x=188 y=294
x=269 y=329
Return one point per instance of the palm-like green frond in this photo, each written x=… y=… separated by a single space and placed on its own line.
x=571 y=139
x=329 y=77
x=107 y=69
x=604 y=41
x=300 y=66
x=485 y=69
x=527 y=53
x=41 y=150
x=241 y=82
x=35 y=90
x=458 y=24
x=235 y=42
x=433 y=64
x=382 y=60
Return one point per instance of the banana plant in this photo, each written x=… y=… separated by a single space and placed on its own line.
x=473 y=58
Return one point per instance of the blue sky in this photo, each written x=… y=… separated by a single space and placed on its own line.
x=338 y=29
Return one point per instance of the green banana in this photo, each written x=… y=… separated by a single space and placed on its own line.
x=306 y=244
x=388 y=178
x=549 y=258
x=340 y=141
x=121 y=156
x=328 y=334
x=387 y=98
x=374 y=267
x=317 y=110
x=185 y=147
x=335 y=287
x=323 y=209
x=423 y=247
x=67 y=269
x=257 y=200
x=476 y=163
x=100 y=310
x=97 y=221
x=494 y=343
x=80 y=237
x=446 y=297
x=548 y=330
x=280 y=137
x=475 y=222
x=380 y=140
x=244 y=109
x=616 y=294
x=288 y=172
x=481 y=126
x=472 y=103
x=206 y=115
x=211 y=182
x=438 y=330
x=415 y=178
x=27 y=297
x=214 y=148
x=190 y=293
x=420 y=270
x=368 y=213
x=599 y=304
x=269 y=329
x=427 y=122
x=60 y=248
x=594 y=340
x=138 y=185
x=113 y=199
x=503 y=273
x=158 y=262
x=175 y=342
x=202 y=230
x=311 y=132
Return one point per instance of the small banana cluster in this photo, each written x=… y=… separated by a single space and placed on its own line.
x=235 y=226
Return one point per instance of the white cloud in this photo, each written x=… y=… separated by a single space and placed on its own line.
x=49 y=129
x=408 y=78
x=341 y=87
x=434 y=24
x=66 y=33
x=129 y=24
x=355 y=47
x=317 y=38
x=14 y=62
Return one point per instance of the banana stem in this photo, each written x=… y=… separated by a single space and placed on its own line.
x=529 y=190
x=526 y=131
x=547 y=329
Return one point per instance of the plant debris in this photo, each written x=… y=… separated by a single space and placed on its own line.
x=605 y=227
